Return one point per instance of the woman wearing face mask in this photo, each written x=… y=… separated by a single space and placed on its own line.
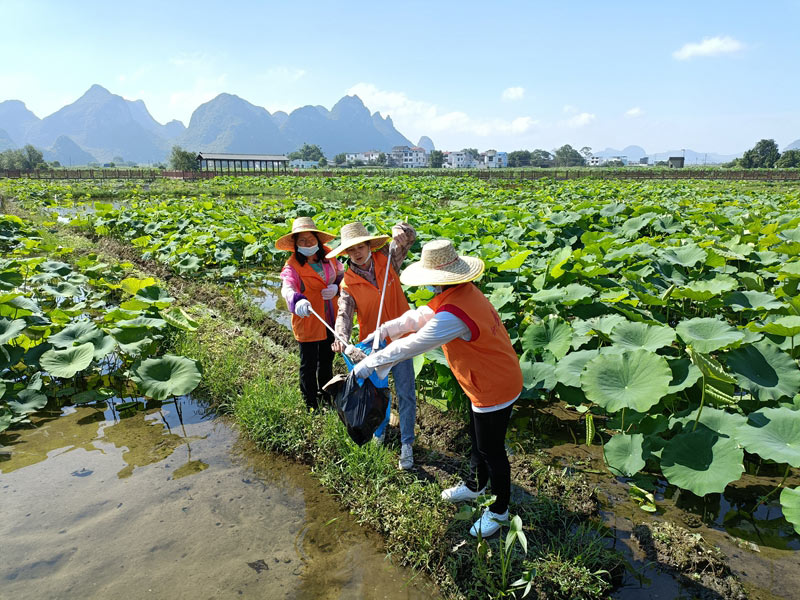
x=369 y=259
x=311 y=281
x=477 y=347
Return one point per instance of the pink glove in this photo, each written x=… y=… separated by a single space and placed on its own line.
x=330 y=292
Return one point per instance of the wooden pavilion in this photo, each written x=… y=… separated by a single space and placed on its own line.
x=242 y=163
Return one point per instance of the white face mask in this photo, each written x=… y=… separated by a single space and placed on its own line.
x=362 y=264
x=308 y=251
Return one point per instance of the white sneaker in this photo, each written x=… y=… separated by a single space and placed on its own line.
x=460 y=493
x=488 y=524
x=406 y=457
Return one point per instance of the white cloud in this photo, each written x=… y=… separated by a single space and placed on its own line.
x=580 y=120
x=712 y=46
x=418 y=117
x=513 y=93
x=634 y=112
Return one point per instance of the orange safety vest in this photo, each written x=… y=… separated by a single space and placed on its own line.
x=309 y=329
x=486 y=367
x=368 y=296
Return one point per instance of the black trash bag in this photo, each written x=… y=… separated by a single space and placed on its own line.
x=362 y=408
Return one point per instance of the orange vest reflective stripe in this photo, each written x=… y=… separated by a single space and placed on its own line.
x=309 y=329
x=368 y=296
x=486 y=367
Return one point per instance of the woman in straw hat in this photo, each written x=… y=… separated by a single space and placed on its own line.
x=311 y=281
x=461 y=320
x=369 y=259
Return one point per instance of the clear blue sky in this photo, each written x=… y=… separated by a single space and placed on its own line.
x=708 y=75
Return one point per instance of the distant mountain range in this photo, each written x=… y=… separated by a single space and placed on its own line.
x=101 y=126
x=635 y=153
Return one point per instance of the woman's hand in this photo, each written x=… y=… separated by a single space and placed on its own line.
x=338 y=346
x=330 y=292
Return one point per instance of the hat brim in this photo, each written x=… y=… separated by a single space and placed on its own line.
x=286 y=242
x=375 y=242
x=466 y=268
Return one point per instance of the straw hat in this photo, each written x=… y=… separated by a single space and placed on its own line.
x=300 y=225
x=354 y=234
x=441 y=265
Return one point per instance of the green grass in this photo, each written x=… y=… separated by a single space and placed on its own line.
x=255 y=380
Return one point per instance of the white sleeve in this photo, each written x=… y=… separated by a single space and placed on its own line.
x=440 y=329
x=411 y=320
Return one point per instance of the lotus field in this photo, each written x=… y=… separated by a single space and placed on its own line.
x=80 y=332
x=666 y=314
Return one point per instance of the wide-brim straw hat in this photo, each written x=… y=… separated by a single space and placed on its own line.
x=442 y=265
x=301 y=225
x=354 y=234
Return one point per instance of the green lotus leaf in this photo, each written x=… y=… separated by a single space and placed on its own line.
x=138 y=322
x=10 y=280
x=633 y=336
x=90 y=396
x=10 y=329
x=773 y=434
x=568 y=369
x=604 y=324
x=61 y=290
x=706 y=289
x=76 y=333
x=684 y=374
x=515 y=262
x=791 y=269
x=54 y=266
x=502 y=296
x=162 y=378
x=686 y=256
x=153 y=294
x=188 y=264
x=790 y=503
x=179 y=319
x=29 y=401
x=702 y=461
x=751 y=300
x=65 y=363
x=791 y=235
x=538 y=375
x=552 y=334
x=635 y=379
x=788 y=326
x=708 y=334
x=228 y=271
x=103 y=346
x=765 y=258
x=624 y=454
x=120 y=315
x=133 y=285
x=720 y=421
x=765 y=370
x=6 y=417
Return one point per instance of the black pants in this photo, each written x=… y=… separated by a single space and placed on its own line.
x=316 y=369
x=488 y=459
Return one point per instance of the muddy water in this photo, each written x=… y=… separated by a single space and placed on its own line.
x=171 y=503
x=761 y=546
x=268 y=298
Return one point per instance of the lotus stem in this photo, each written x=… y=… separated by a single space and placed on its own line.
x=702 y=401
x=780 y=486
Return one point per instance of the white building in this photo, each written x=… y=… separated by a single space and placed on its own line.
x=408 y=158
x=297 y=163
x=492 y=159
x=370 y=157
x=459 y=160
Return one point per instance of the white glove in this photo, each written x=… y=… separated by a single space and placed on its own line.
x=330 y=292
x=362 y=371
x=382 y=335
x=398 y=236
x=302 y=308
